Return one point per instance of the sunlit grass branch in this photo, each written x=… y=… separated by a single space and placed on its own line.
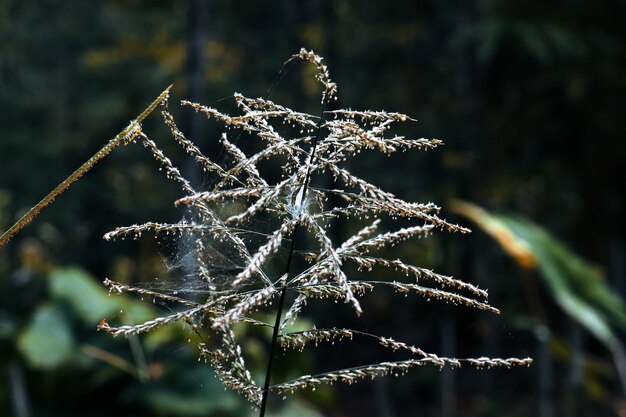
x=127 y=135
x=222 y=223
x=244 y=274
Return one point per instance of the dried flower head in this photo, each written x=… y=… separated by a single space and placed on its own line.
x=236 y=263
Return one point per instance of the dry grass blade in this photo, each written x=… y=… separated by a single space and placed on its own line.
x=127 y=135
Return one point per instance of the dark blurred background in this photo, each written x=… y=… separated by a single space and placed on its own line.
x=529 y=98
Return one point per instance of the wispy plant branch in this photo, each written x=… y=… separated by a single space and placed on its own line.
x=234 y=264
x=127 y=135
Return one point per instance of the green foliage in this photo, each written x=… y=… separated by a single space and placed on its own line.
x=47 y=341
x=83 y=294
x=91 y=303
x=577 y=287
x=539 y=134
x=296 y=409
x=60 y=338
x=196 y=393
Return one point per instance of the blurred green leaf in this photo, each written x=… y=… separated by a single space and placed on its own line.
x=295 y=409
x=7 y=325
x=47 y=341
x=533 y=41
x=91 y=301
x=190 y=391
x=578 y=288
x=299 y=325
x=135 y=312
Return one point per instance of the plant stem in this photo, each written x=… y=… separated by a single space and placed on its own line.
x=127 y=134
x=19 y=394
x=283 y=290
x=619 y=358
x=279 y=313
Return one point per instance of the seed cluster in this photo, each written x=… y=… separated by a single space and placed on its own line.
x=236 y=262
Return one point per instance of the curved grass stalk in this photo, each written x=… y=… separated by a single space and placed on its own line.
x=127 y=135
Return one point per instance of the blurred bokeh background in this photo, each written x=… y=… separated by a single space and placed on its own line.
x=529 y=98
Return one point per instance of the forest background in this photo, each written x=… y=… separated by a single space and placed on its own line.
x=528 y=97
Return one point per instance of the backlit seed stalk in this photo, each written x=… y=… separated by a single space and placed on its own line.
x=231 y=279
x=127 y=135
x=302 y=194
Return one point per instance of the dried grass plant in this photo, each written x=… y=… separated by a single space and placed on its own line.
x=238 y=267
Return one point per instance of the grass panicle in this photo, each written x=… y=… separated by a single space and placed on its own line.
x=223 y=220
x=239 y=267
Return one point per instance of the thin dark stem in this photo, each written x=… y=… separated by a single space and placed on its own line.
x=19 y=394
x=279 y=313
x=283 y=290
x=619 y=358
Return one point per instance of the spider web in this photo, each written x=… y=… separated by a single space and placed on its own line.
x=219 y=260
